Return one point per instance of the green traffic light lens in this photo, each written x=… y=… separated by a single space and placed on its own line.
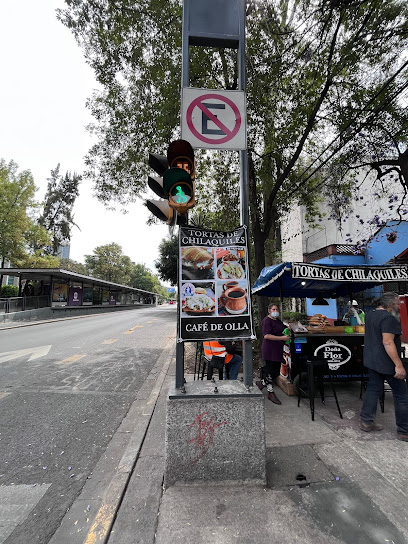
x=180 y=197
x=180 y=193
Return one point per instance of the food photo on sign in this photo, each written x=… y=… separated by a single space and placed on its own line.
x=232 y=297
x=197 y=299
x=230 y=263
x=197 y=263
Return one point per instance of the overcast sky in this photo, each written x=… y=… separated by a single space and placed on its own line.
x=45 y=84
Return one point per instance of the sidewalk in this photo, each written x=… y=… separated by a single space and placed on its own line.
x=328 y=482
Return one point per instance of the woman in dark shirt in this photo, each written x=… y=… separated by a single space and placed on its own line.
x=272 y=350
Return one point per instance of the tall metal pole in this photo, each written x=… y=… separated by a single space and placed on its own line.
x=244 y=189
x=185 y=81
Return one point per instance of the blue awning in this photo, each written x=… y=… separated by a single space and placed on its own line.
x=303 y=280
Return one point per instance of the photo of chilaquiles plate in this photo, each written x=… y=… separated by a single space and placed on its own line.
x=230 y=265
x=201 y=303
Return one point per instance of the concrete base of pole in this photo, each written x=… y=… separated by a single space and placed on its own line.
x=215 y=437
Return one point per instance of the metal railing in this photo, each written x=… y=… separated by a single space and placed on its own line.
x=20 y=304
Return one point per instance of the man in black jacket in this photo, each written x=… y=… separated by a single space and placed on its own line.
x=382 y=348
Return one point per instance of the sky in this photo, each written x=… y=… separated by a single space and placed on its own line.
x=43 y=115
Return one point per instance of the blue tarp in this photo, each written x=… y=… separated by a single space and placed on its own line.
x=277 y=280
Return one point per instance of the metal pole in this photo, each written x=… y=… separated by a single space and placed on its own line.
x=184 y=83
x=185 y=46
x=244 y=184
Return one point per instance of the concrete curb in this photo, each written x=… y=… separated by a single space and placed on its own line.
x=91 y=516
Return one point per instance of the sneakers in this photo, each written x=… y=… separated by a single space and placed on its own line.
x=272 y=396
x=402 y=436
x=260 y=385
x=368 y=427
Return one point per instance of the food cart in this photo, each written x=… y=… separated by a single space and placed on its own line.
x=340 y=346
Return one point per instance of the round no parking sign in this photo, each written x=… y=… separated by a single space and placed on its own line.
x=214 y=119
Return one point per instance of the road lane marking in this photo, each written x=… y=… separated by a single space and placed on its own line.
x=71 y=359
x=2 y=395
x=130 y=331
x=35 y=353
x=111 y=341
x=149 y=321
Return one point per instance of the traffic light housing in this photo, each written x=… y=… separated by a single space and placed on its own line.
x=178 y=180
x=175 y=184
x=159 y=208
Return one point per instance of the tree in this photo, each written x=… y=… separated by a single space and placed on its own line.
x=321 y=75
x=142 y=278
x=57 y=217
x=166 y=264
x=73 y=266
x=109 y=263
x=19 y=231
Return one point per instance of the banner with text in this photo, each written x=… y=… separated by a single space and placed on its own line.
x=369 y=274
x=215 y=301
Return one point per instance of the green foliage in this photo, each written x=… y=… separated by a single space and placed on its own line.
x=166 y=264
x=218 y=189
x=57 y=217
x=20 y=234
x=142 y=278
x=109 y=263
x=8 y=291
x=324 y=79
x=294 y=316
x=73 y=266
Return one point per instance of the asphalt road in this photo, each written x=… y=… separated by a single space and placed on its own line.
x=65 y=387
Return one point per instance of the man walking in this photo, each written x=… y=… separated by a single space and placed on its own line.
x=382 y=348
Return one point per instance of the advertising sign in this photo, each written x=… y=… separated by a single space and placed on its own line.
x=215 y=300
x=75 y=296
x=304 y=271
x=213 y=119
x=60 y=292
x=87 y=295
x=334 y=353
x=105 y=296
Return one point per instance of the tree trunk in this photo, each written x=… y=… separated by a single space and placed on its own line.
x=259 y=257
x=257 y=236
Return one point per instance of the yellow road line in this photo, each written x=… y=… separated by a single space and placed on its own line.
x=71 y=359
x=149 y=321
x=133 y=329
x=111 y=341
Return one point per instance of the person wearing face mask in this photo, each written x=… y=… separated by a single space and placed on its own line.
x=272 y=350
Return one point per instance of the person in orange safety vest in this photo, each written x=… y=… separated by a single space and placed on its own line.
x=225 y=349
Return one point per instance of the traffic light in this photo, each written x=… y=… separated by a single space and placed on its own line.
x=159 y=208
x=175 y=183
x=178 y=180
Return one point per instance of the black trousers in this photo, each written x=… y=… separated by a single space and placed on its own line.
x=270 y=371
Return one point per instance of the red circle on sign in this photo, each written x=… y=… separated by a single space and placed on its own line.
x=230 y=134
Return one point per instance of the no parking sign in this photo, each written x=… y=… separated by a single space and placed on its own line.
x=213 y=119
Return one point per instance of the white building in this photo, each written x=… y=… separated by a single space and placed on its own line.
x=9 y=280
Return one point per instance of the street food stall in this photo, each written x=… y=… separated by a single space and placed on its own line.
x=340 y=345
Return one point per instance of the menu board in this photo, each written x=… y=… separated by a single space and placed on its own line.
x=214 y=293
